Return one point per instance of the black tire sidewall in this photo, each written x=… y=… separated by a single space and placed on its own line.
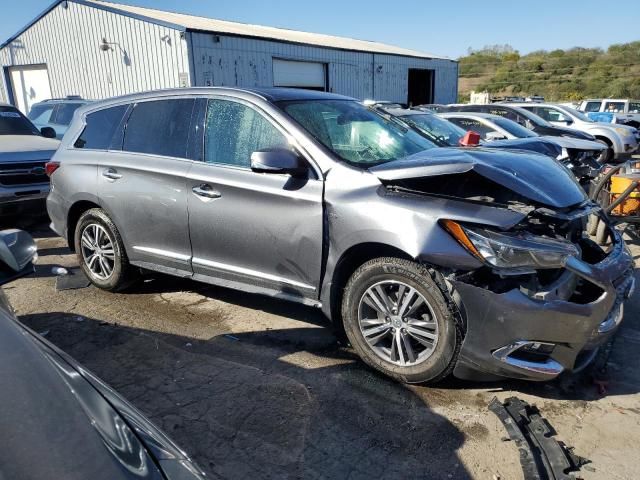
x=440 y=363
x=117 y=278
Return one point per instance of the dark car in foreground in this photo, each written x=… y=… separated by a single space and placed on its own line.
x=57 y=419
x=433 y=260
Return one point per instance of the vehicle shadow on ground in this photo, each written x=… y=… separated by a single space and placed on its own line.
x=246 y=410
x=608 y=370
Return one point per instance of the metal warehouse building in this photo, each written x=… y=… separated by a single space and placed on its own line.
x=100 y=49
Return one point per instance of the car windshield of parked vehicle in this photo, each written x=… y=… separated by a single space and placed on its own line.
x=354 y=133
x=514 y=128
x=579 y=115
x=442 y=130
x=40 y=114
x=12 y=122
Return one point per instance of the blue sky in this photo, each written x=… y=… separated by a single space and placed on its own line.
x=439 y=27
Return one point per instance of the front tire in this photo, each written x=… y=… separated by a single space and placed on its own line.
x=607 y=154
x=101 y=252
x=398 y=321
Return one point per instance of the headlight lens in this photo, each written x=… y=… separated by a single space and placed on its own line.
x=512 y=251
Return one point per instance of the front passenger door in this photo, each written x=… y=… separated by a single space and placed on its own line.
x=247 y=228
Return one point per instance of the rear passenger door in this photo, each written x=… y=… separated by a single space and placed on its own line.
x=142 y=183
x=252 y=228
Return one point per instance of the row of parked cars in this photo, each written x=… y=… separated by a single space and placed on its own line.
x=433 y=251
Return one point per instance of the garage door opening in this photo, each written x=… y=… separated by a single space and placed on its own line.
x=295 y=74
x=29 y=85
x=420 y=89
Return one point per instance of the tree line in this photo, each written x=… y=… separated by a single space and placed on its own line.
x=558 y=75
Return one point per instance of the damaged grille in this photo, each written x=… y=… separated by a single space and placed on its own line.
x=25 y=173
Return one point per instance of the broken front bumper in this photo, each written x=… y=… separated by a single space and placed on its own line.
x=516 y=334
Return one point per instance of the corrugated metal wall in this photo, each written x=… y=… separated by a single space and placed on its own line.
x=236 y=61
x=149 y=56
x=68 y=41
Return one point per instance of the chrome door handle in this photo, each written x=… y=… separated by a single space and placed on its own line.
x=206 y=191
x=111 y=174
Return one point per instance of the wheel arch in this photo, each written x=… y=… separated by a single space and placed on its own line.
x=346 y=264
x=75 y=212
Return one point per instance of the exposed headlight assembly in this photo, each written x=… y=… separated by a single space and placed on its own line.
x=513 y=252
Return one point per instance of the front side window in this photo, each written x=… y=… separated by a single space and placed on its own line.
x=550 y=114
x=634 y=107
x=233 y=131
x=354 y=133
x=160 y=127
x=100 y=127
x=592 y=107
x=12 y=122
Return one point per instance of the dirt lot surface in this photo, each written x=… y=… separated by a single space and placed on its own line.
x=254 y=387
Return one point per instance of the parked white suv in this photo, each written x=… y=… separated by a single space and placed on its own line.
x=626 y=111
x=621 y=140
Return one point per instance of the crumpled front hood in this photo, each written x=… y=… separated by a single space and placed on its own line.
x=536 y=177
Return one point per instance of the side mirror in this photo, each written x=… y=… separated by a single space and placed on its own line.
x=48 y=132
x=18 y=251
x=278 y=160
x=491 y=136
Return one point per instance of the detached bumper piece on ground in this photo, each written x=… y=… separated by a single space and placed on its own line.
x=542 y=456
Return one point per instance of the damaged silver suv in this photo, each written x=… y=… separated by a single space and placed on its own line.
x=432 y=260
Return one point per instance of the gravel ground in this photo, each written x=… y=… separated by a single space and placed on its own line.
x=253 y=386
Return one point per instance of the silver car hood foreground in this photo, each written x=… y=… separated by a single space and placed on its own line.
x=536 y=177
x=24 y=148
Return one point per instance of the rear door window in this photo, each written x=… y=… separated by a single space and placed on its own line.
x=160 y=127
x=100 y=127
x=234 y=131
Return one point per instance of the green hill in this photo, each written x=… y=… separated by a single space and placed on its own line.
x=557 y=75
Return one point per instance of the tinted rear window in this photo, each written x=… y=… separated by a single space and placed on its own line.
x=101 y=126
x=160 y=127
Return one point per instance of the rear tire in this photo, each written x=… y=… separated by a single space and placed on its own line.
x=101 y=252
x=423 y=332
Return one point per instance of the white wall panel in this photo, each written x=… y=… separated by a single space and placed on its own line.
x=144 y=56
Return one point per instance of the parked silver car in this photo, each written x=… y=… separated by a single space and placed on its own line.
x=433 y=260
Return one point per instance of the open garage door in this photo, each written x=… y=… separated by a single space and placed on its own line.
x=420 y=87
x=29 y=85
x=291 y=73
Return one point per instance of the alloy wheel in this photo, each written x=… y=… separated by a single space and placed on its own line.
x=398 y=323
x=98 y=251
